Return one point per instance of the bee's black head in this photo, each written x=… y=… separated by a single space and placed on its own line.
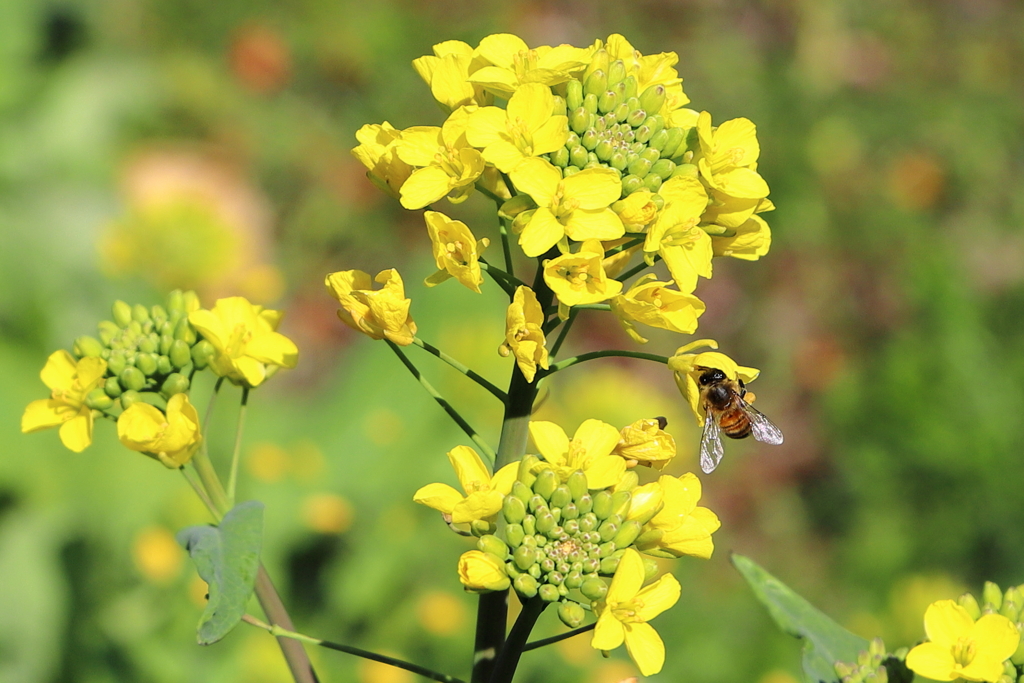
x=711 y=375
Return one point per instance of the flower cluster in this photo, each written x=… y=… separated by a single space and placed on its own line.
x=138 y=371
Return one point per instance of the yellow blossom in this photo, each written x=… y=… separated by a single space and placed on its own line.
x=637 y=210
x=512 y=63
x=728 y=157
x=379 y=314
x=652 y=303
x=377 y=153
x=446 y=164
x=580 y=278
x=248 y=346
x=482 y=572
x=70 y=382
x=484 y=493
x=576 y=207
x=960 y=647
x=446 y=72
x=645 y=442
x=456 y=251
x=526 y=128
x=623 y=614
x=524 y=333
x=749 y=242
x=590 y=451
x=681 y=527
x=686 y=248
x=688 y=368
x=171 y=437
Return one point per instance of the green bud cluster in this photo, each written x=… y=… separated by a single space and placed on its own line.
x=561 y=540
x=1010 y=604
x=150 y=353
x=613 y=126
x=872 y=666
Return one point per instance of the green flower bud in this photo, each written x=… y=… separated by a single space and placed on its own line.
x=663 y=168
x=596 y=83
x=548 y=593
x=536 y=503
x=190 y=301
x=493 y=545
x=522 y=491
x=590 y=102
x=175 y=301
x=561 y=496
x=687 y=170
x=573 y=94
x=585 y=503
x=588 y=140
x=480 y=527
x=555 y=578
x=202 y=353
x=674 y=143
x=166 y=341
x=112 y=387
x=87 y=346
x=524 y=556
x=577 y=484
x=607 y=101
x=616 y=72
x=97 y=399
x=1010 y=609
x=603 y=505
x=610 y=564
x=969 y=603
x=588 y=522
x=568 y=171
x=653 y=182
x=658 y=140
x=1013 y=594
x=513 y=509
x=578 y=156
x=176 y=383
x=992 y=595
x=608 y=529
x=652 y=155
x=650 y=567
x=560 y=157
x=621 y=112
x=122 y=313
x=639 y=168
x=163 y=365
x=631 y=184
x=631 y=90
x=525 y=585
x=558 y=107
x=534 y=571
x=514 y=534
x=606 y=549
x=571 y=614
x=179 y=354
x=132 y=378
x=530 y=540
x=545 y=523
x=184 y=331
x=525 y=473
x=590 y=565
x=617 y=161
x=529 y=525
x=146 y=362
x=571 y=526
x=133 y=331
x=547 y=565
x=603 y=151
x=148 y=344
x=649 y=537
x=140 y=313
x=570 y=512
x=128 y=398
x=653 y=98
x=1018 y=656
x=107 y=330
x=579 y=120
x=628 y=532
x=545 y=485
x=594 y=588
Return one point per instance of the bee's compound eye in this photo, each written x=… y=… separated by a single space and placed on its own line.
x=706 y=377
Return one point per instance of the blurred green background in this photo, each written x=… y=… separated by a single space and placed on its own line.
x=150 y=144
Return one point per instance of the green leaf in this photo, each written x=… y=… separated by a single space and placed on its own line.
x=227 y=557
x=825 y=641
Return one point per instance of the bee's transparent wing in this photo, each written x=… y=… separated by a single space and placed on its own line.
x=761 y=427
x=711 y=451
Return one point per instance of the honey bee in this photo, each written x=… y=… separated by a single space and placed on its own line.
x=727 y=412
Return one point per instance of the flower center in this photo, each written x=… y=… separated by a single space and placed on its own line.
x=964 y=650
x=523 y=62
x=519 y=132
x=628 y=612
x=237 y=340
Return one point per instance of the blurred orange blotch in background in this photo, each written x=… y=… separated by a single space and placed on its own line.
x=157 y=555
x=192 y=221
x=260 y=58
x=917 y=180
x=327 y=513
x=441 y=613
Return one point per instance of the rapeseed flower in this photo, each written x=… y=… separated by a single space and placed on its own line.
x=482 y=572
x=685 y=248
x=960 y=647
x=589 y=450
x=377 y=152
x=70 y=382
x=484 y=493
x=580 y=278
x=447 y=72
x=688 y=368
x=526 y=128
x=171 y=437
x=681 y=527
x=645 y=442
x=379 y=314
x=456 y=251
x=511 y=63
x=524 y=333
x=653 y=303
x=445 y=163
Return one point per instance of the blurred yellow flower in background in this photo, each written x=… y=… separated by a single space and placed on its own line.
x=70 y=382
x=327 y=513
x=157 y=555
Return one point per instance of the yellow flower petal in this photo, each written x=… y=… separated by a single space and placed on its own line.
x=609 y=633
x=645 y=648
x=604 y=471
x=550 y=440
x=59 y=372
x=478 y=505
x=76 y=433
x=628 y=578
x=597 y=437
x=541 y=233
x=441 y=497
x=473 y=475
x=933 y=661
x=45 y=413
x=481 y=572
x=945 y=622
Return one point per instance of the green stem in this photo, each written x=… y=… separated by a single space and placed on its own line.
x=638 y=268
x=358 y=652
x=563 y=333
x=505 y=280
x=501 y=395
x=508 y=660
x=233 y=476
x=506 y=247
x=568 y=362
x=193 y=481
x=294 y=654
x=626 y=245
x=488 y=452
x=555 y=639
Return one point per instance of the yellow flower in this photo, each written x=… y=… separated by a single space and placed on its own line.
x=688 y=368
x=728 y=157
x=681 y=527
x=589 y=451
x=626 y=609
x=652 y=303
x=456 y=251
x=576 y=207
x=69 y=382
x=447 y=71
x=484 y=493
x=513 y=63
x=524 y=333
x=960 y=647
x=447 y=164
x=171 y=438
x=482 y=572
x=379 y=314
x=686 y=249
x=377 y=153
x=749 y=242
x=637 y=210
x=646 y=443
x=248 y=348
x=580 y=278
x=526 y=128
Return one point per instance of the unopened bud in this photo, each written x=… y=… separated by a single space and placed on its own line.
x=686 y=170
x=525 y=585
x=132 y=378
x=606 y=549
x=621 y=112
x=594 y=588
x=183 y=331
x=579 y=120
x=529 y=525
x=618 y=161
x=608 y=529
x=1018 y=656
x=525 y=473
x=596 y=83
x=675 y=143
x=548 y=593
x=992 y=595
x=610 y=564
x=571 y=614
x=180 y=354
x=128 y=398
x=653 y=182
x=146 y=362
x=560 y=157
x=122 y=313
x=140 y=313
x=176 y=383
x=616 y=72
x=513 y=509
x=522 y=491
x=202 y=353
x=589 y=140
x=653 y=98
x=639 y=168
x=545 y=523
x=480 y=527
x=546 y=483
x=536 y=503
x=590 y=102
x=107 y=330
x=514 y=534
x=577 y=484
x=148 y=345
x=493 y=545
x=561 y=496
x=97 y=399
x=628 y=532
x=524 y=556
x=631 y=184
x=1010 y=609
x=585 y=504
x=573 y=94
x=570 y=512
x=620 y=503
x=112 y=387
x=86 y=346
x=603 y=505
x=663 y=168
x=163 y=365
